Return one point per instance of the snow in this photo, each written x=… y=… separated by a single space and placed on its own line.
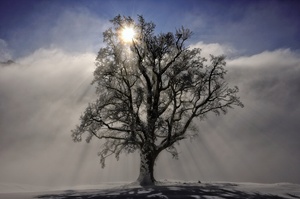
x=145 y=191
x=213 y=197
x=280 y=189
x=175 y=188
x=165 y=190
x=157 y=195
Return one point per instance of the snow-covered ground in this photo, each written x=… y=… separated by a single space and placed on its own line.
x=164 y=189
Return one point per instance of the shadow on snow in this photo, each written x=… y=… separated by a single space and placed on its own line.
x=207 y=191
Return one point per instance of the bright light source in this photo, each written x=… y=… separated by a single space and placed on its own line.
x=127 y=34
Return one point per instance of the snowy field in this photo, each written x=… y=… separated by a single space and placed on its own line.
x=164 y=189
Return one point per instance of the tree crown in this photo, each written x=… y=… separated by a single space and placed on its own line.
x=150 y=89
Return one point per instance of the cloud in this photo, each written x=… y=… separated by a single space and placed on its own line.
x=258 y=143
x=214 y=49
x=272 y=75
x=42 y=97
x=5 y=53
x=43 y=94
x=270 y=88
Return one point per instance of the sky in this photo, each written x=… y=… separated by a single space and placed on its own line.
x=54 y=45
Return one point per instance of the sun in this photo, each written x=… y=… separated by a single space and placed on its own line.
x=127 y=34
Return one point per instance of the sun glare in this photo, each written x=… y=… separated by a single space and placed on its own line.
x=128 y=34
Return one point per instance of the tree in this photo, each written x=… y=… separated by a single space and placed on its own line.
x=150 y=88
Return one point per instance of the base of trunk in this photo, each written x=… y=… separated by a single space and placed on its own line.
x=146 y=180
x=146 y=177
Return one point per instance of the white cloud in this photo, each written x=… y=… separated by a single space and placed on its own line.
x=282 y=58
x=273 y=74
x=214 y=49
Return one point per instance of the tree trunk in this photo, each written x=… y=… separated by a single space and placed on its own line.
x=147 y=161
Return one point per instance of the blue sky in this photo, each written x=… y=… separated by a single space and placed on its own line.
x=250 y=26
x=54 y=45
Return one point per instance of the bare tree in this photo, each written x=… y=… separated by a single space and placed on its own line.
x=150 y=88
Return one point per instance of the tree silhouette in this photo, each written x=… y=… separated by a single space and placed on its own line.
x=149 y=90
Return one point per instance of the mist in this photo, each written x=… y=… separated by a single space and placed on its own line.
x=43 y=95
x=45 y=90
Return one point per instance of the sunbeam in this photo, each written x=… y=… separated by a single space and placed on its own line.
x=47 y=63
